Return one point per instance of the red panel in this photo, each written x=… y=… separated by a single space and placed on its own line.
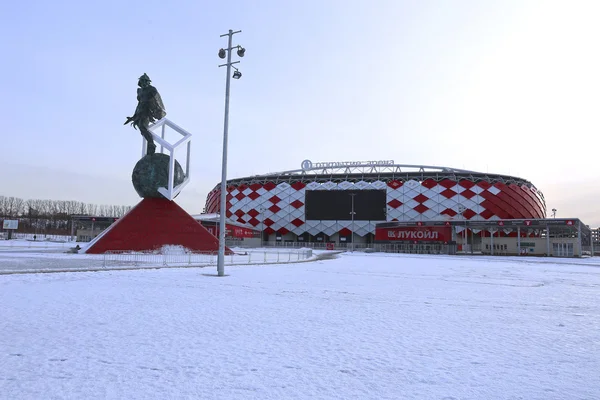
x=241 y=220
x=274 y=208
x=269 y=231
x=240 y=196
x=297 y=222
x=255 y=186
x=254 y=195
x=429 y=183
x=495 y=209
x=242 y=187
x=487 y=214
x=152 y=224
x=239 y=213
x=298 y=185
x=447 y=183
x=253 y=222
x=421 y=208
x=421 y=198
x=467 y=194
x=345 y=232
x=448 y=193
x=253 y=213
x=283 y=231
x=269 y=186
x=296 y=204
x=467 y=184
x=514 y=209
x=395 y=203
x=449 y=211
x=484 y=184
x=274 y=199
x=430 y=234
x=394 y=184
x=468 y=213
x=268 y=222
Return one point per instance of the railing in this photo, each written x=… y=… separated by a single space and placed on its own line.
x=38 y=244
x=38 y=237
x=137 y=259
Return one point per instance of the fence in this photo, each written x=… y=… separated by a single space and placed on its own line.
x=111 y=259
x=38 y=244
x=39 y=237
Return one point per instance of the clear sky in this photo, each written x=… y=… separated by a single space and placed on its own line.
x=496 y=86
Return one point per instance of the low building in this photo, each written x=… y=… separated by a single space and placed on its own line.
x=236 y=233
x=557 y=237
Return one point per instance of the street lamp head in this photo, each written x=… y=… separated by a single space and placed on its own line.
x=222 y=53
x=241 y=51
x=237 y=75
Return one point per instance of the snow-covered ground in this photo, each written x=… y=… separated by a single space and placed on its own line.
x=358 y=327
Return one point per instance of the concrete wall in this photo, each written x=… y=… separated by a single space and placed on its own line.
x=509 y=246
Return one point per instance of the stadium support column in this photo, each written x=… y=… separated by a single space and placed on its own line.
x=352 y=214
x=579 y=244
x=548 y=240
x=492 y=241
x=518 y=240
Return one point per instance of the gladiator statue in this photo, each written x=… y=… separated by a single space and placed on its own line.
x=150 y=108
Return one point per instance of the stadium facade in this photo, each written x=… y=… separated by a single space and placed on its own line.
x=329 y=201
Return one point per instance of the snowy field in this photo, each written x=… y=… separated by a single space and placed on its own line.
x=357 y=327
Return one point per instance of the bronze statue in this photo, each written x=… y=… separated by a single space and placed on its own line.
x=150 y=108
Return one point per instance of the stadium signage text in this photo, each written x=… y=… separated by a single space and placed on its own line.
x=307 y=164
x=425 y=234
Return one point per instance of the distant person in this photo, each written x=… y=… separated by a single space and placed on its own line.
x=34 y=237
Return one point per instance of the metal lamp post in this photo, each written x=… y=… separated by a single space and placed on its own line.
x=222 y=212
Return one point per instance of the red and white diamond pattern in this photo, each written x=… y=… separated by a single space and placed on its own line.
x=280 y=208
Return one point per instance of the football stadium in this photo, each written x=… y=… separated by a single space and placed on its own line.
x=367 y=202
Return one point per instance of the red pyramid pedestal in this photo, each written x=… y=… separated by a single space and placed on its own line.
x=152 y=224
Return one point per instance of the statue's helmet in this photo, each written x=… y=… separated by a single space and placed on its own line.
x=145 y=78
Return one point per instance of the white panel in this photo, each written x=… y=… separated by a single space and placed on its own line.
x=313 y=231
x=345 y=185
x=412 y=184
x=313 y=186
x=430 y=194
x=329 y=186
x=476 y=189
x=494 y=190
x=412 y=214
x=468 y=203
x=430 y=214
x=431 y=203
x=247 y=191
x=362 y=185
x=234 y=192
x=410 y=204
x=478 y=199
x=378 y=185
x=450 y=203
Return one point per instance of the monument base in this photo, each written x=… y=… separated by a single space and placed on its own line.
x=152 y=224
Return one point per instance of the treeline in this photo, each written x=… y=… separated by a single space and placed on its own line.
x=52 y=216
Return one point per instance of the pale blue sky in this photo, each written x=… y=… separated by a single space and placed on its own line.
x=500 y=86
